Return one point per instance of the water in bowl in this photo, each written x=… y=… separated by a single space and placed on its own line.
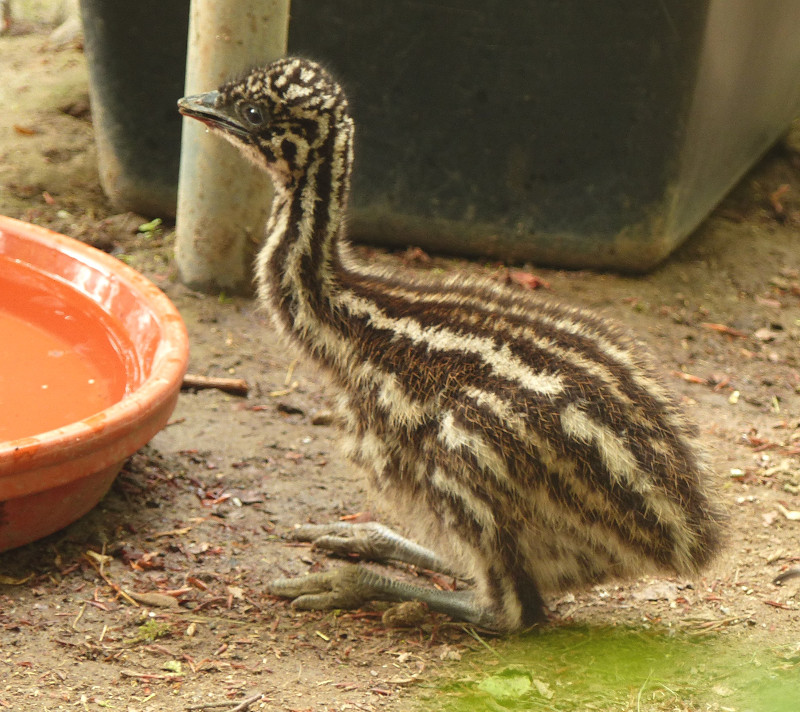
x=60 y=353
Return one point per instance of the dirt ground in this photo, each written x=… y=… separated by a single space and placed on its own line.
x=155 y=600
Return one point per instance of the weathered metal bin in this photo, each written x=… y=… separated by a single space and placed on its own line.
x=569 y=133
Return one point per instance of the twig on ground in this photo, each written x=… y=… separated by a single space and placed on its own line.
x=97 y=561
x=290 y=372
x=786 y=575
x=240 y=706
x=151 y=676
x=234 y=386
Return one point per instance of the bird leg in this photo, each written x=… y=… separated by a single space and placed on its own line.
x=352 y=585
x=373 y=541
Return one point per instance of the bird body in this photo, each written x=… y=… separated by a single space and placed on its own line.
x=532 y=444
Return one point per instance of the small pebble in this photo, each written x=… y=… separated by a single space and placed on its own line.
x=404 y=614
x=290 y=409
x=322 y=417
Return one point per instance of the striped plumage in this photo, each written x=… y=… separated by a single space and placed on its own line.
x=531 y=442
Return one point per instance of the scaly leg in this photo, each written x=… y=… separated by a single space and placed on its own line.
x=351 y=586
x=373 y=541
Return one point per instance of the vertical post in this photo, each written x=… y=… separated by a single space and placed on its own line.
x=223 y=201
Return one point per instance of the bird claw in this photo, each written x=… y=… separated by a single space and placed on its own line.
x=308 y=532
x=373 y=541
x=367 y=539
x=352 y=585
x=342 y=587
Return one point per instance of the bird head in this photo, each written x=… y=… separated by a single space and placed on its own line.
x=279 y=116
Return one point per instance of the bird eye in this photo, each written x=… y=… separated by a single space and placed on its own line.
x=253 y=115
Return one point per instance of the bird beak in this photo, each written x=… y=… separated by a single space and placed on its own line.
x=206 y=108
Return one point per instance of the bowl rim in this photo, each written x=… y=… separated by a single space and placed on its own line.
x=161 y=385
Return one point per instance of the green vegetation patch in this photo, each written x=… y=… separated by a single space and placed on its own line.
x=623 y=669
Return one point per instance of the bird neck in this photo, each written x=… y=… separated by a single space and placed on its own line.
x=296 y=270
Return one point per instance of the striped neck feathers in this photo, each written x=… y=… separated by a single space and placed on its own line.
x=296 y=270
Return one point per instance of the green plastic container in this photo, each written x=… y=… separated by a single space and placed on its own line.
x=569 y=133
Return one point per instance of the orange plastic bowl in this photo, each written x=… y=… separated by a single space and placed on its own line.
x=49 y=479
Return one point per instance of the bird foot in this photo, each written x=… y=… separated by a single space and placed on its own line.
x=345 y=587
x=370 y=540
x=352 y=586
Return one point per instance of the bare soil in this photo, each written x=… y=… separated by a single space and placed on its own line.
x=155 y=600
